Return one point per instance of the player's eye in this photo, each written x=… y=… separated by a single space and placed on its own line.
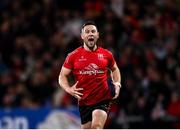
x=93 y=31
x=87 y=31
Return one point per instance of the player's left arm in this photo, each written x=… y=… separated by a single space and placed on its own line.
x=116 y=78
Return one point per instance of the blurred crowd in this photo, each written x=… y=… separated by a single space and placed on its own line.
x=143 y=35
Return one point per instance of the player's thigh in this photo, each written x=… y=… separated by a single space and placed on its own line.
x=86 y=125
x=99 y=118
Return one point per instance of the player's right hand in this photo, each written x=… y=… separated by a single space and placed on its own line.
x=74 y=91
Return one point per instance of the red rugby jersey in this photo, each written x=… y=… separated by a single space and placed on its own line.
x=91 y=70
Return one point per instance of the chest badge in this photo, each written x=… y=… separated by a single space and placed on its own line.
x=100 y=56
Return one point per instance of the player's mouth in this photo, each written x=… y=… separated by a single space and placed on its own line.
x=90 y=39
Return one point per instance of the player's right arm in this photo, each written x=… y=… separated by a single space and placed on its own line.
x=64 y=83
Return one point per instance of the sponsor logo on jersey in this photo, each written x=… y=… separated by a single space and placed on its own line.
x=82 y=58
x=91 y=69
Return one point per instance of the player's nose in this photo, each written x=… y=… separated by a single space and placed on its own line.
x=91 y=33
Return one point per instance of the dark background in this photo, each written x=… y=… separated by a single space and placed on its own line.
x=143 y=35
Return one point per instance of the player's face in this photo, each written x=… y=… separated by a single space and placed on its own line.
x=90 y=36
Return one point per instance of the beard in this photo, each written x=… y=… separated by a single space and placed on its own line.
x=90 y=44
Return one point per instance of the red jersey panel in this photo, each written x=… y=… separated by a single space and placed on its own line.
x=91 y=70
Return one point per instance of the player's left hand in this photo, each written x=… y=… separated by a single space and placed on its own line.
x=117 y=90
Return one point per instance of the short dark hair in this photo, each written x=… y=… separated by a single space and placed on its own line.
x=89 y=22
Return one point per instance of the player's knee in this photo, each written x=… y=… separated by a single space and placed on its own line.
x=97 y=125
x=99 y=119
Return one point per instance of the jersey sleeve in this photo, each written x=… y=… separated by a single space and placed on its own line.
x=111 y=60
x=68 y=63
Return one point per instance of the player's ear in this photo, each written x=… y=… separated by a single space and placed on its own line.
x=97 y=34
x=82 y=36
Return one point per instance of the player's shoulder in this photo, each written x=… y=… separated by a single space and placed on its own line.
x=75 y=52
x=104 y=50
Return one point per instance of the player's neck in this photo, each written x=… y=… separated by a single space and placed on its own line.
x=90 y=49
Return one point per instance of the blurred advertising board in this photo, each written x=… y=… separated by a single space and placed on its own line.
x=41 y=118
